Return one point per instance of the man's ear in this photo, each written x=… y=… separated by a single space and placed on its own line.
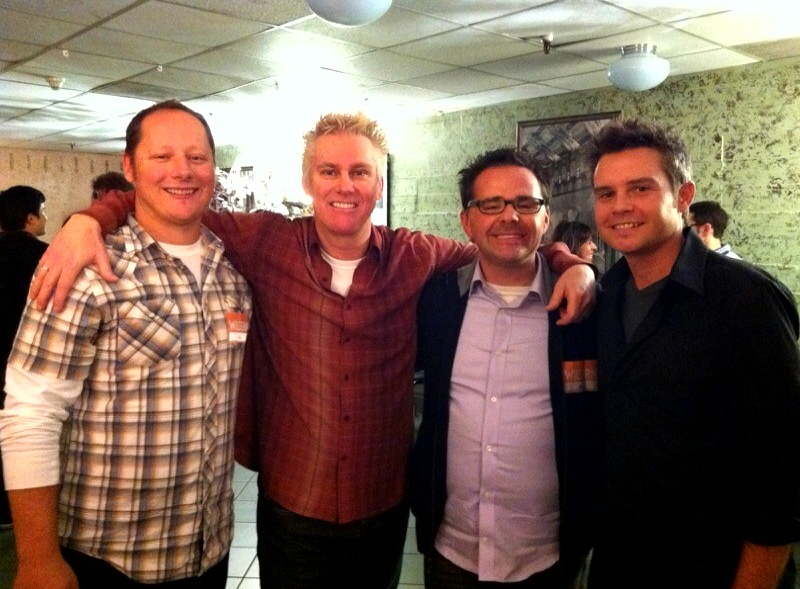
x=465 y=224
x=685 y=197
x=30 y=221
x=705 y=230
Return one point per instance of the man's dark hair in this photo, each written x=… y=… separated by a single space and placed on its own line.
x=573 y=233
x=133 y=134
x=505 y=156
x=16 y=203
x=708 y=211
x=622 y=135
x=110 y=181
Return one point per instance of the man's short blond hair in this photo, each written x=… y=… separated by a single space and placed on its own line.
x=346 y=123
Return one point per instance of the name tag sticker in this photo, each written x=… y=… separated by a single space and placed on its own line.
x=237 y=326
x=580 y=376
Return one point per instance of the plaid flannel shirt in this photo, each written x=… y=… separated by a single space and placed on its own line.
x=147 y=449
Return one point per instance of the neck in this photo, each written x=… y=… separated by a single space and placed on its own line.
x=650 y=267
x=714 y=243
x=174 y=234
x=345 y=247
x=516 y=275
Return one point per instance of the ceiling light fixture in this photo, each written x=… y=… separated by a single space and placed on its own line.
x=55 y=82
x=638 y=69
x=349 y=13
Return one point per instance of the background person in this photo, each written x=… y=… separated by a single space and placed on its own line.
x=709 y=220
x=578 y=237
x=104 y=183
x=22 y=220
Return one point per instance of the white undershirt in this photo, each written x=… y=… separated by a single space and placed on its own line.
x=191 y=255
x=343 y=271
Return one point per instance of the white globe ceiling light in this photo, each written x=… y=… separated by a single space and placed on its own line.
x=349 y=13
x=638 y=69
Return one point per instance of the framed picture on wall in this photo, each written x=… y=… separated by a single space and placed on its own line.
x=559 y=145
x=380 y=216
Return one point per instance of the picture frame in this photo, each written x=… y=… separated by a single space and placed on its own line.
x=559 y=145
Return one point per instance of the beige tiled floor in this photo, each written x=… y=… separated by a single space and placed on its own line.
x=243 y=569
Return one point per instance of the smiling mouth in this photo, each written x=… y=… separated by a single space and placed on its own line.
x=630 y=225
x=343 y=205
x=180 y=191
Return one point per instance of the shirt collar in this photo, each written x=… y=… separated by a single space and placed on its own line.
x=375 y=246
x=688 y=269
x=471 y=277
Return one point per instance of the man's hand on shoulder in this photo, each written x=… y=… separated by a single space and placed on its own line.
x=574 y=294
x=78 y=244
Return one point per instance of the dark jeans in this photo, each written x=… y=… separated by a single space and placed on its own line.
x=440 y=573
x=297 y=552
x=94 y=573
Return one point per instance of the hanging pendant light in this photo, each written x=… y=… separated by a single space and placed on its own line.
x=349 y=13
x=638 y=69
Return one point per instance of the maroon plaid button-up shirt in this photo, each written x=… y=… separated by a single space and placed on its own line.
x=325 y=410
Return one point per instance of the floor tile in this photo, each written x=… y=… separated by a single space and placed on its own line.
x=244 y=511
x=244 y=535
x=413 y=569
x=240 y=561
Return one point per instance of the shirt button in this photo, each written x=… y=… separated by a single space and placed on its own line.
x=347 y=418
x=347 y=377
x=488 y=447
x=494 y=399
x=344 y=458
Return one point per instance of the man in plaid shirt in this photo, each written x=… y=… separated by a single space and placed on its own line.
x=117 y=431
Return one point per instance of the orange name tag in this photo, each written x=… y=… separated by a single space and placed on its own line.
x=580 y=376
x=237 y=326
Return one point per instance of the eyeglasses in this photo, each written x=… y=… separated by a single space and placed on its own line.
x=525 y=205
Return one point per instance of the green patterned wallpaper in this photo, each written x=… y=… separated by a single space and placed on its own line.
x=742 y=126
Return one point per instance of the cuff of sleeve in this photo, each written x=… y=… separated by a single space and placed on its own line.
x=28 y=470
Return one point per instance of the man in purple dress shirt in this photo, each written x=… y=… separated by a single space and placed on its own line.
x=504 y=471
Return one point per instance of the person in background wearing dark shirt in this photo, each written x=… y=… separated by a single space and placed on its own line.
x=22 y=220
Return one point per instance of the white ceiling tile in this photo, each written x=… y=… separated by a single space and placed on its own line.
x=403 y=93
x=108 y=106
x=466 y=47
x=55 y=63
x=462 y=81
x=390 y=67
x=746 y=26
x=195 y=82
x=17 y=26
x=230 y=64
x=122 y=45
x=674 y=9
x=155 y=93
x=72 y=81
x=596 y=20
x=183 y=25
x=297 y=48
x=538 y=66
x=668 y=41
x=395 y=27
x=274 y=12
x=468 y=11
x=21 y=93
x=587 y=81
x=75 y=11
x=16 y=51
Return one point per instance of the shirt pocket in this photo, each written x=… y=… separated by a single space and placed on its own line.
x=149 y=332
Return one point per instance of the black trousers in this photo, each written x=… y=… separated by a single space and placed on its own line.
x=94 y=573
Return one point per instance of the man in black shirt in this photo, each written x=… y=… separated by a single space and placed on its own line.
x=698 y=366
x=22 y=220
